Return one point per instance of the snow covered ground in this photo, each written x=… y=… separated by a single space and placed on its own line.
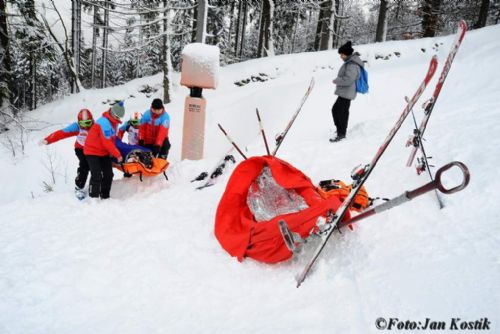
x=146 y=261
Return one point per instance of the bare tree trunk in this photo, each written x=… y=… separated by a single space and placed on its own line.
x=73 y=37
x=381 y=33
x=231 y=24
x=5 y=60
x=245 y=10
x=29 y=14
x=34 y=85
x=139 y=55
x=238 y=23
x=326 y=26
x=195 y=24
x=166 y=62
x=430 y=17
x=294 y=31
x=483 y=14
x=95 y=33
x=65 y=49
x=105 y=44
x=201 y=21
x=261 y=31
x=79 y=39
x=319 y=28
x=76 y=21
x=266 y=47
x=336 y=26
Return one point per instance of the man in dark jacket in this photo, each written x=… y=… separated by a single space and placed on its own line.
x=346 y=89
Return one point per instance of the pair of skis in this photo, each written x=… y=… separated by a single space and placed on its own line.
x=415 y=141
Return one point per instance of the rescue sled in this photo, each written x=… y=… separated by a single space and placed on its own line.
x=241 y=226
x=139 y=160
x=159 y=166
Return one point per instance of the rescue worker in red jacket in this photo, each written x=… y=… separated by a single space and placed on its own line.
x=153 y=130
x=100 y=147
x=80 y=129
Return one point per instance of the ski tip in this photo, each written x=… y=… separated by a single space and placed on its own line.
x=432 y=68
x=463 y=25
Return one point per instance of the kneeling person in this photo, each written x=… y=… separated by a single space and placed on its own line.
x=153 y=130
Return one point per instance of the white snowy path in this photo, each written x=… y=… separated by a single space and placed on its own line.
x=147 y=261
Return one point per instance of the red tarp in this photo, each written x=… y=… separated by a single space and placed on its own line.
x=237 y=231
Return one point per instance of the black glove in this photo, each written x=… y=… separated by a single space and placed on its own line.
x=141 y=142
x=156 y=150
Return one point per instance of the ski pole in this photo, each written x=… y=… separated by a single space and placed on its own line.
x=409 y=195
x=231 y=141
x=262 y=131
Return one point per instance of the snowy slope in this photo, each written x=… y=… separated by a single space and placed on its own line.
x=147 y=261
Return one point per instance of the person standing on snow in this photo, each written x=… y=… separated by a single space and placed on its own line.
x=346 y=78
x=80 y=129
x=153 y=131
x=100 y=147
x=132 y=128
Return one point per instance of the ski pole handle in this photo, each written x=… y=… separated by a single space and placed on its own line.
x=465 y=180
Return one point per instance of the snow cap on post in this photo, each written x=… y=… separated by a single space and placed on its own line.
x=200 y=66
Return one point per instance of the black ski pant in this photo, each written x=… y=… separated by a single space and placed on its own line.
x=340 y=113
x=160 y=152
x=83 y=169
x=101 y=176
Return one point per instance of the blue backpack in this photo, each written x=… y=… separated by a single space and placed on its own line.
x=362 y=82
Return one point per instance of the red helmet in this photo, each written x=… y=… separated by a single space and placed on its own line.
x=85 y=119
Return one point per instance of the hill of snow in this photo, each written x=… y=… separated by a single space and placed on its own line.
x=146 y=261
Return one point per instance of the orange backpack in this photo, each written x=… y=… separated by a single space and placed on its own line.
x=329 y=188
